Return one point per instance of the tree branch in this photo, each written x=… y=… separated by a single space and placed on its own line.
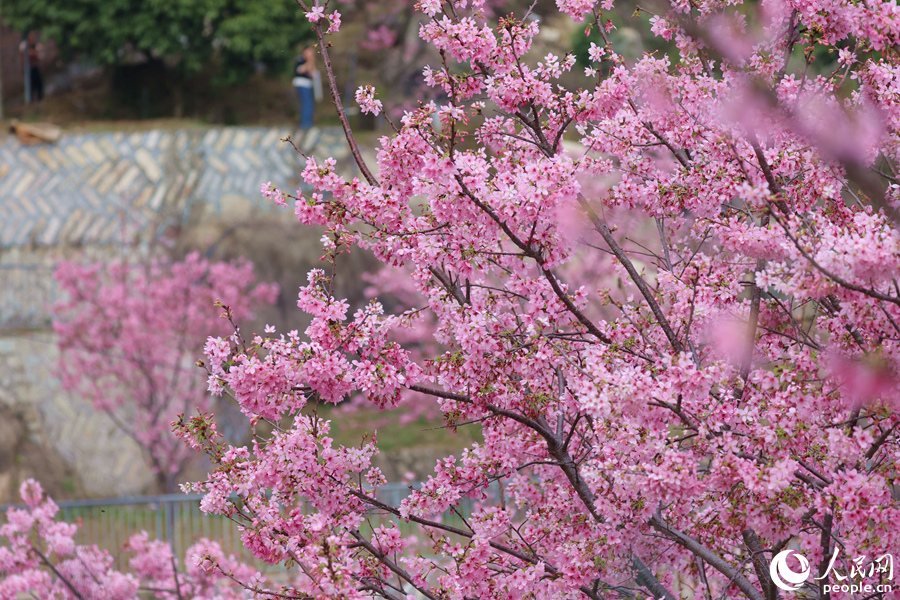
x=759 y=564
x=59 y=575
x=339 y=105
x=383 y=559
x=719 y=564
x=646 y=578
x=607 y=236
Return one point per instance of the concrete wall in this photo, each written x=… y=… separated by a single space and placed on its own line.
x=97 y=196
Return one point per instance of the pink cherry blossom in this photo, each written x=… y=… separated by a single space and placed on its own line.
x=130 y=333
x=39 y=557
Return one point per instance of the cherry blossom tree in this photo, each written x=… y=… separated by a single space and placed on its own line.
x=667 y=298
x=129 y=335
x=40 y=559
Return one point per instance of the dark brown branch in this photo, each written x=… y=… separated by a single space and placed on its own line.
x=753 y=322
x=339 y=106
x=607 y=236
x=649 y=127
x=825 y=541
x=774 y=186
x=689 y=423
x=383 y=559
x=816 y=485
x=701 y=570
x=555 y=446
x=879 y=442
x=835 y=278
x=257 y=590
x=466 y=534
x=175 y=576
x=759 y=564
x=706 y=554
x=645 y=577
x=569 y=467
x=815 y=472
x=835 y=309
x=564 y=298
x=528 y=251
x=58 y=574
x=448 y=285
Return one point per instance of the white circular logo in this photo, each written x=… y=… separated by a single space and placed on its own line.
x=783 y=576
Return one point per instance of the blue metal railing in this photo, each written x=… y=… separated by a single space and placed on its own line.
x=177 y=518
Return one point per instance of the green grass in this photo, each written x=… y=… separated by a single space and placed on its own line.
x=349 y=429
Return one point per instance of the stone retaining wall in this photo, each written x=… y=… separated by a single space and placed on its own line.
x=94 y=196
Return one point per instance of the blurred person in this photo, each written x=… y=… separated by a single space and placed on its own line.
x=35 y=51
x=304 y=73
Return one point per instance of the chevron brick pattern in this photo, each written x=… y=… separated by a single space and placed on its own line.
x=94 y=188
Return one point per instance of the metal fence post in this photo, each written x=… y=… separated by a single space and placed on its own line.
x=170 y=523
